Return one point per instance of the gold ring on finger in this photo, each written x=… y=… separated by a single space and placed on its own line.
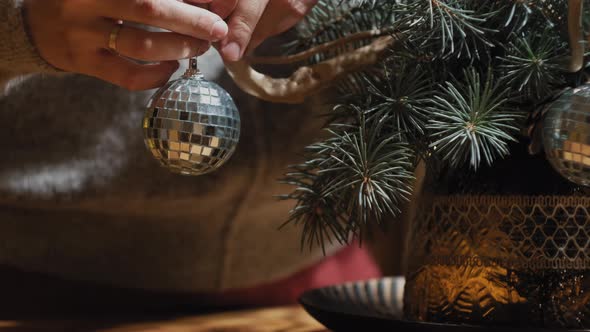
x=114 y=36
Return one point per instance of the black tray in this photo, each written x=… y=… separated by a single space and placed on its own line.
x=376 y=305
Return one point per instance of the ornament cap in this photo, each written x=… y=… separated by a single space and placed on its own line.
x=193 y=70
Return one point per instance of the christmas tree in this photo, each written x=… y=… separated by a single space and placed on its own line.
x=450 y=83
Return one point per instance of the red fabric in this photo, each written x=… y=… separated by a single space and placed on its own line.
x=350 y=264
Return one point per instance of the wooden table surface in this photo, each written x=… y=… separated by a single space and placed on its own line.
x=285 y=319
x=40 y=303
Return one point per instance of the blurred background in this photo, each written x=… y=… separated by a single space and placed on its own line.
x=89 y=222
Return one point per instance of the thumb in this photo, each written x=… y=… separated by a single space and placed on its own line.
x=242 y=24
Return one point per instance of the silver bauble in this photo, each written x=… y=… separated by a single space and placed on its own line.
x=566 y=135
x=191 y=125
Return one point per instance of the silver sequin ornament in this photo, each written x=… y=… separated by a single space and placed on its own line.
x=566 y=135
x=191 y=125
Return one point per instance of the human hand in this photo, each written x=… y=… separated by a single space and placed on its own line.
x=73 y=35
x=252 y=21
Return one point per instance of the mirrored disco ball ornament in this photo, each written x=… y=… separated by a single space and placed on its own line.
x=566 y=135
x=191 y=126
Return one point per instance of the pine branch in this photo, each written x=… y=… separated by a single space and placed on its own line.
x=401 y=98
x=327 y=47
x=471 y=121
x=435 y=97
x=316 y=213
x=450 y=28
x=333 y=20
x=521 y=14
x=356 y=177
x=532 y=64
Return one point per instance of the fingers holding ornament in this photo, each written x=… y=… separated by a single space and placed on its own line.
x=172 y=15
x=242 y=24
x=252 y=21
x=280 y=16
x=223 y=8
x=73 y=37
x=144 y=45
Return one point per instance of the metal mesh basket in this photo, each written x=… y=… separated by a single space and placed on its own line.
x=522 y=261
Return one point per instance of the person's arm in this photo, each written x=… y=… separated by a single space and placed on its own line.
x=18 y=56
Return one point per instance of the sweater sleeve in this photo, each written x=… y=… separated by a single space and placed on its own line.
x=18 y=55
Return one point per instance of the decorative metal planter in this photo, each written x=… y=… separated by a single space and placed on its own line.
x=501 y=260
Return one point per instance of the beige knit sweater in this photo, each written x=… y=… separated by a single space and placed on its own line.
x=81 y=198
